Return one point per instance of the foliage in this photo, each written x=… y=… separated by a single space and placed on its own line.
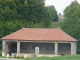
x=16 y=14
x=52 y=25
x=53 y=13
x=59 y=14
x=66 y=8
x=0 y=45
x=71 y=23
x=0 y=53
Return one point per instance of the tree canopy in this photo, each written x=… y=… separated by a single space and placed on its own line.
x=66 y=9
x=71 y=23
x=53 y=13
x=16 y=14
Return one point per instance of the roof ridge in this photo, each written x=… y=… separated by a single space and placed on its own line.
x=40 y=28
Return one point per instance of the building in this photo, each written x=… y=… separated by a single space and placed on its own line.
x=61 y=17
x=50 y=42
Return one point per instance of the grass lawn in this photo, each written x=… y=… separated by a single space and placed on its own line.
x=2 y=57
x=68 y=57
x=13 y=57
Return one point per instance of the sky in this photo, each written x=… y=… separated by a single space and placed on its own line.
x=60 y=5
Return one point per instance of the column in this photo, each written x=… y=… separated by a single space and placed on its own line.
x=3 y=48
x=18 y=46
x=7 y=48
x=73 y=48
x=56 y=48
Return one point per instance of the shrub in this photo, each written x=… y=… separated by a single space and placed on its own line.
x=0 y=53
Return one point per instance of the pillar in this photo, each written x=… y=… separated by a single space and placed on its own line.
x=7 y=48
x=56 y=48
x=73 y=48
x=18 y=46
x=3 y=48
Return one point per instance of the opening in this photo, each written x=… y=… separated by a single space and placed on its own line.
x=64 y=49
x=44 y=48
x=12 y=47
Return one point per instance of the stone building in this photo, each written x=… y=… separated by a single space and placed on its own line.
x=61 y=17
x=51 y=42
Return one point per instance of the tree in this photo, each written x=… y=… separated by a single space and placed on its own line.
x=66 y=9
x=53 y=13
x=16 y=14
x=59 y=14
x=71 y=23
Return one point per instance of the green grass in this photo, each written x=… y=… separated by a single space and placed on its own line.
x=2 y=57
x=17 y=57
x=13 y=57
x=68 y=57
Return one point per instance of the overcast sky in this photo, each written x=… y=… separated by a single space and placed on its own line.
x=60 y=5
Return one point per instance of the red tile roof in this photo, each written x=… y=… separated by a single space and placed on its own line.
x=39 y=34
x=62 y=16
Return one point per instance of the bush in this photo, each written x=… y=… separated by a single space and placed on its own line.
x=0 y=53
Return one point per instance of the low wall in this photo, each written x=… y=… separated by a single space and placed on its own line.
x=33 y=55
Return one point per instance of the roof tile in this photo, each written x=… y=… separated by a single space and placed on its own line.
x=39 y=34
